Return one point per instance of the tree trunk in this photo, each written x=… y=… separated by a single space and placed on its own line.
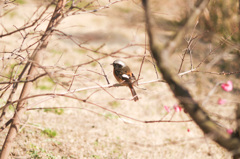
x=35 y=59
x=161 y=55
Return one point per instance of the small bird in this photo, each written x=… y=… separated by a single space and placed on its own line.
x=124 y=75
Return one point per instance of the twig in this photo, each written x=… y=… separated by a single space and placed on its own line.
x=91 y=95
x=186 y=72
x=143 y=59
x=118 y=114
x=184 y=54
x=5 y=125
x=161 y=55
x=104 y=74
x=24 y=81
x=106 y=86
x=73 y=78
x=188 y=50
x=211 y=93
x=219 y=73
x=82 y=11
x=52 y=95
x=28 y=26
x=35 y=57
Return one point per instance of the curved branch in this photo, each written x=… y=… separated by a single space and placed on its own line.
x=77 y=90
x=201 y=118
x=27 y=26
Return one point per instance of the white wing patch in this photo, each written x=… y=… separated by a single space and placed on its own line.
x=125 y=76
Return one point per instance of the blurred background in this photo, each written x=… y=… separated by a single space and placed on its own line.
x=105 y=122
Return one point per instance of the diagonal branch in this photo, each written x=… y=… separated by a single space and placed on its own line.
x=15 y=85
x=34 y=59
x=27 y=26
x=201 y=118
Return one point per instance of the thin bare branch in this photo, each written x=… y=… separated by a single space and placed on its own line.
x=28 y=26
x=76 y=90
x=5 y=125
x=161 y=55
x=36 y=56
x=104 y=74
x=118 y=114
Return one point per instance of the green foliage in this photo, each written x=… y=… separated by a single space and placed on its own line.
x=80 y=51
x=45 y=83
x=37 y=153
x=114 y=104
x=50 y=133
x=96 y=143
x=20 y=1
x=59 y=111
x=34 y=152
x=124 y=9
x=96 y=156
x=12 y=14
x=51 y=156
x=55 y=51
x=110 y=116
x=83 y=5
x=11 y=70
x=93 y=64
x=11 y=108
x=44 y=87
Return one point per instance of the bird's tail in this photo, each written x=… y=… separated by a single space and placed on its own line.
x=134 y=94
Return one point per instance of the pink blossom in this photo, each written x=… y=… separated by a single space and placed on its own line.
x=230 y=131
x=221 y=101
x=188 y=130
x=167 y=108
x=177 y=108
x=227 y=86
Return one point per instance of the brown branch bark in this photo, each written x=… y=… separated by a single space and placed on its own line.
x=15 y=85
x=27 y=26
x=5 y=125
x=238 y=119
x=161 y=54
x=239 y=18
x=35 y=58
x=237 y=155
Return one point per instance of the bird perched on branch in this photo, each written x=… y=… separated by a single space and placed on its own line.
x=124 y=75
